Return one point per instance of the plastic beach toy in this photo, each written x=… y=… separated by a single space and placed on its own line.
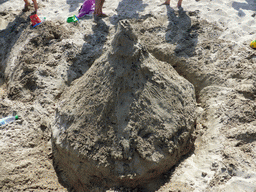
x=8 y=119
x=72 y=19
x=253 y=44
x=35 y=20
x=87 y=8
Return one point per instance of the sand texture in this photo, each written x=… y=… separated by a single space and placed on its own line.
x=126 y=121
x=79 y=88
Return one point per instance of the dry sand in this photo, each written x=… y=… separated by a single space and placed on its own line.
x=37 y=64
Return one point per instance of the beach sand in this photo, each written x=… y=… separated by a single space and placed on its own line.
x=56 y=52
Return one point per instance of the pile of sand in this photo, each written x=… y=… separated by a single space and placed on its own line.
x=207 y=43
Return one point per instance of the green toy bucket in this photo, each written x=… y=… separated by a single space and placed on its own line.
x=72 y=19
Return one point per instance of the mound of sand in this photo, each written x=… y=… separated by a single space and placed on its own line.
x=206 y=42
x=126 y=121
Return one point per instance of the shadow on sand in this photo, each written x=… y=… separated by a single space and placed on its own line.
x=91 y=50
x=3 y=1
x=180 y=32
x=10 y=35
x=74 y=4
x=128 y=9
x=94 y=43
x=250 y=5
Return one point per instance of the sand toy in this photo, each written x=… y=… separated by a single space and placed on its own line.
x=35 y=20
x=87 y=8
x=72 y=19
x=9 y=119
x=253 y=44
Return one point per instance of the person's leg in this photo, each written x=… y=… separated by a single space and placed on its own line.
x=179 y=3
x=98 y=7
x=26 y=6
x=167 y=2
x=35 y=5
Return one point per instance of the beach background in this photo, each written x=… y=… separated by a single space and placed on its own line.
x=38 y=64
x=236 y=17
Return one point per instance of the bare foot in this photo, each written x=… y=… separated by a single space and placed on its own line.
x=34 y=12
x=164 y=4
x=26 y=8
x=100 y=15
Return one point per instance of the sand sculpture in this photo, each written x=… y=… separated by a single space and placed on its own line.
x=127 y=120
